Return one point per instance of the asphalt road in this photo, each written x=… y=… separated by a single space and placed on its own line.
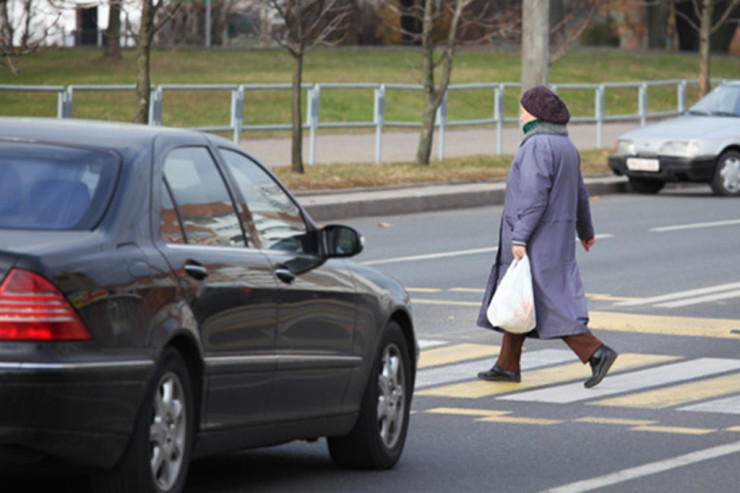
x=663 y=289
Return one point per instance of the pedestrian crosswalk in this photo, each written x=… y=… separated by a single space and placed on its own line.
x=555 y=376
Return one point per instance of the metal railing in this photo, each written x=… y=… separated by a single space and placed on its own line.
x=380 y=120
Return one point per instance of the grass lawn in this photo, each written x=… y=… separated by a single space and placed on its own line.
x=64 y=67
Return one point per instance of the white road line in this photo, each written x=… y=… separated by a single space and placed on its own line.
x=695 y=226
x=431 y=256
x=680 y=294
x=701 y=299
x=727 y=405
x=429 y=343
x=628 y=382
x=442 y=375
x=647 y=469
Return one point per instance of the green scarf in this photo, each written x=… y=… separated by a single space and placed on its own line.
x=530 y=125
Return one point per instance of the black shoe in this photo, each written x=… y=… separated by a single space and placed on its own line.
x=600 y=363
x=498 y=374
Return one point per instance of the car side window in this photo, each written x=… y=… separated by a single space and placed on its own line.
x=170 y=227
x=201 y=198
x=277 y=219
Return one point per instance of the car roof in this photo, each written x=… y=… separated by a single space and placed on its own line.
x=87 y=133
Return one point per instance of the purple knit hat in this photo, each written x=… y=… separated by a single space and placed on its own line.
x=545 y=105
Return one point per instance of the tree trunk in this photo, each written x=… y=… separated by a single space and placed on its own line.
x=535 y=43
x=704 y=47
x=296 y=161
x=429 y=117
x=143 y=56
x=113 y=33
x=657 y=26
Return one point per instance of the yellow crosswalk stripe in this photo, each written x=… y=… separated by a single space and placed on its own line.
x=422 y=301
x=677 y=394
x=454 y=354
x=465 y=411
x=614 y=421
x=489 y=416
x=675 y=430
x=665 y=325
x=521 y=421
x=540 y=378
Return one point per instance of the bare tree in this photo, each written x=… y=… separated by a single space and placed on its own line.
x=113 y=32
x=300 y=26
x=445 y=24
x=147 y=29
x=571 y=22
x=24 y=27
x=704 y=10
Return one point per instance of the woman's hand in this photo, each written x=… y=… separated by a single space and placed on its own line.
x=518 y=251
x=587 y=244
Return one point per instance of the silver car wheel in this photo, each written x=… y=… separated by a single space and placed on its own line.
x=391 y=395
x=730 y=173
x=167 y=433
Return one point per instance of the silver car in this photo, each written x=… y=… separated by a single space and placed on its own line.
x=701 y=146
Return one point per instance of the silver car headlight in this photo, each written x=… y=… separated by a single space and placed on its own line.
x=625 y=148
x=681 y=148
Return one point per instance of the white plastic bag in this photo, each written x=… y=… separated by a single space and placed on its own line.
x=512 y=305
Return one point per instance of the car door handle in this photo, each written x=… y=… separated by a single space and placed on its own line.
x=284 y=275
x=196 y=271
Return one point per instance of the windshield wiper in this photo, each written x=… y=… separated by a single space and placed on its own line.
x=724 y=113
x=697 y=112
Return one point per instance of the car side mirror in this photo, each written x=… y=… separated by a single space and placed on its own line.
x=341 y=241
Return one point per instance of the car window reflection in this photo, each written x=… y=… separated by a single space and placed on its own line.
x=201 y=198
x=277 y=219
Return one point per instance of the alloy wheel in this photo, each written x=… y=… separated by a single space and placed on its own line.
x=168 y=430
x=391 y=395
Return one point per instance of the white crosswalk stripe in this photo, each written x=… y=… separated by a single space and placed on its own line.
x=468 y=370
x=728 y=405
x=632 y=381
x=632 y=386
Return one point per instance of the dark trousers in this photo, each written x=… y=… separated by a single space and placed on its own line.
x=584 y=345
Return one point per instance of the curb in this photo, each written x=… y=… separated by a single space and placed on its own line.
x=381 y=202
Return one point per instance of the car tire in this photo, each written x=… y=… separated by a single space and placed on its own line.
x=164 y=427
x=726 y=180
x=379 y=435
x=646 y=185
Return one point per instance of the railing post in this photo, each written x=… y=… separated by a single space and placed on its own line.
x=682 y=97
x=642 y=103
x=379 y=119
x=313 y=121
x=155 y=107
x=442 y=119
x=599 y=116
x=237 y=112
x=65 y=103
x=498 y=114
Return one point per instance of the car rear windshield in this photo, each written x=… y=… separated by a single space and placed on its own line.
x=54 y=187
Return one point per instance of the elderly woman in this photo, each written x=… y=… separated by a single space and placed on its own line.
x=546 y=206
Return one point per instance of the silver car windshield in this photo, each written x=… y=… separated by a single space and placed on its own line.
x=722 y=101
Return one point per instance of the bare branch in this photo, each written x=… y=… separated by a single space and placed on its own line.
x=724 y=16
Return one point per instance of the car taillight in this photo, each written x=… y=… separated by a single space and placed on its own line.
x=33 y=309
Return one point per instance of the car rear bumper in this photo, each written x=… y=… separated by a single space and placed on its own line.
x=72 y=413
x=671 y=169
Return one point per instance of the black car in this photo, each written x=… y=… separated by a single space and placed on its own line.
x=163 y=298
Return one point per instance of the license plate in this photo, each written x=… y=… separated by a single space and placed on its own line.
x=642 y=164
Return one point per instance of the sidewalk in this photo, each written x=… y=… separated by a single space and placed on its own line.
x=401 y=146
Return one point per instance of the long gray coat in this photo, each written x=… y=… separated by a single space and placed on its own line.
x=546 y=204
